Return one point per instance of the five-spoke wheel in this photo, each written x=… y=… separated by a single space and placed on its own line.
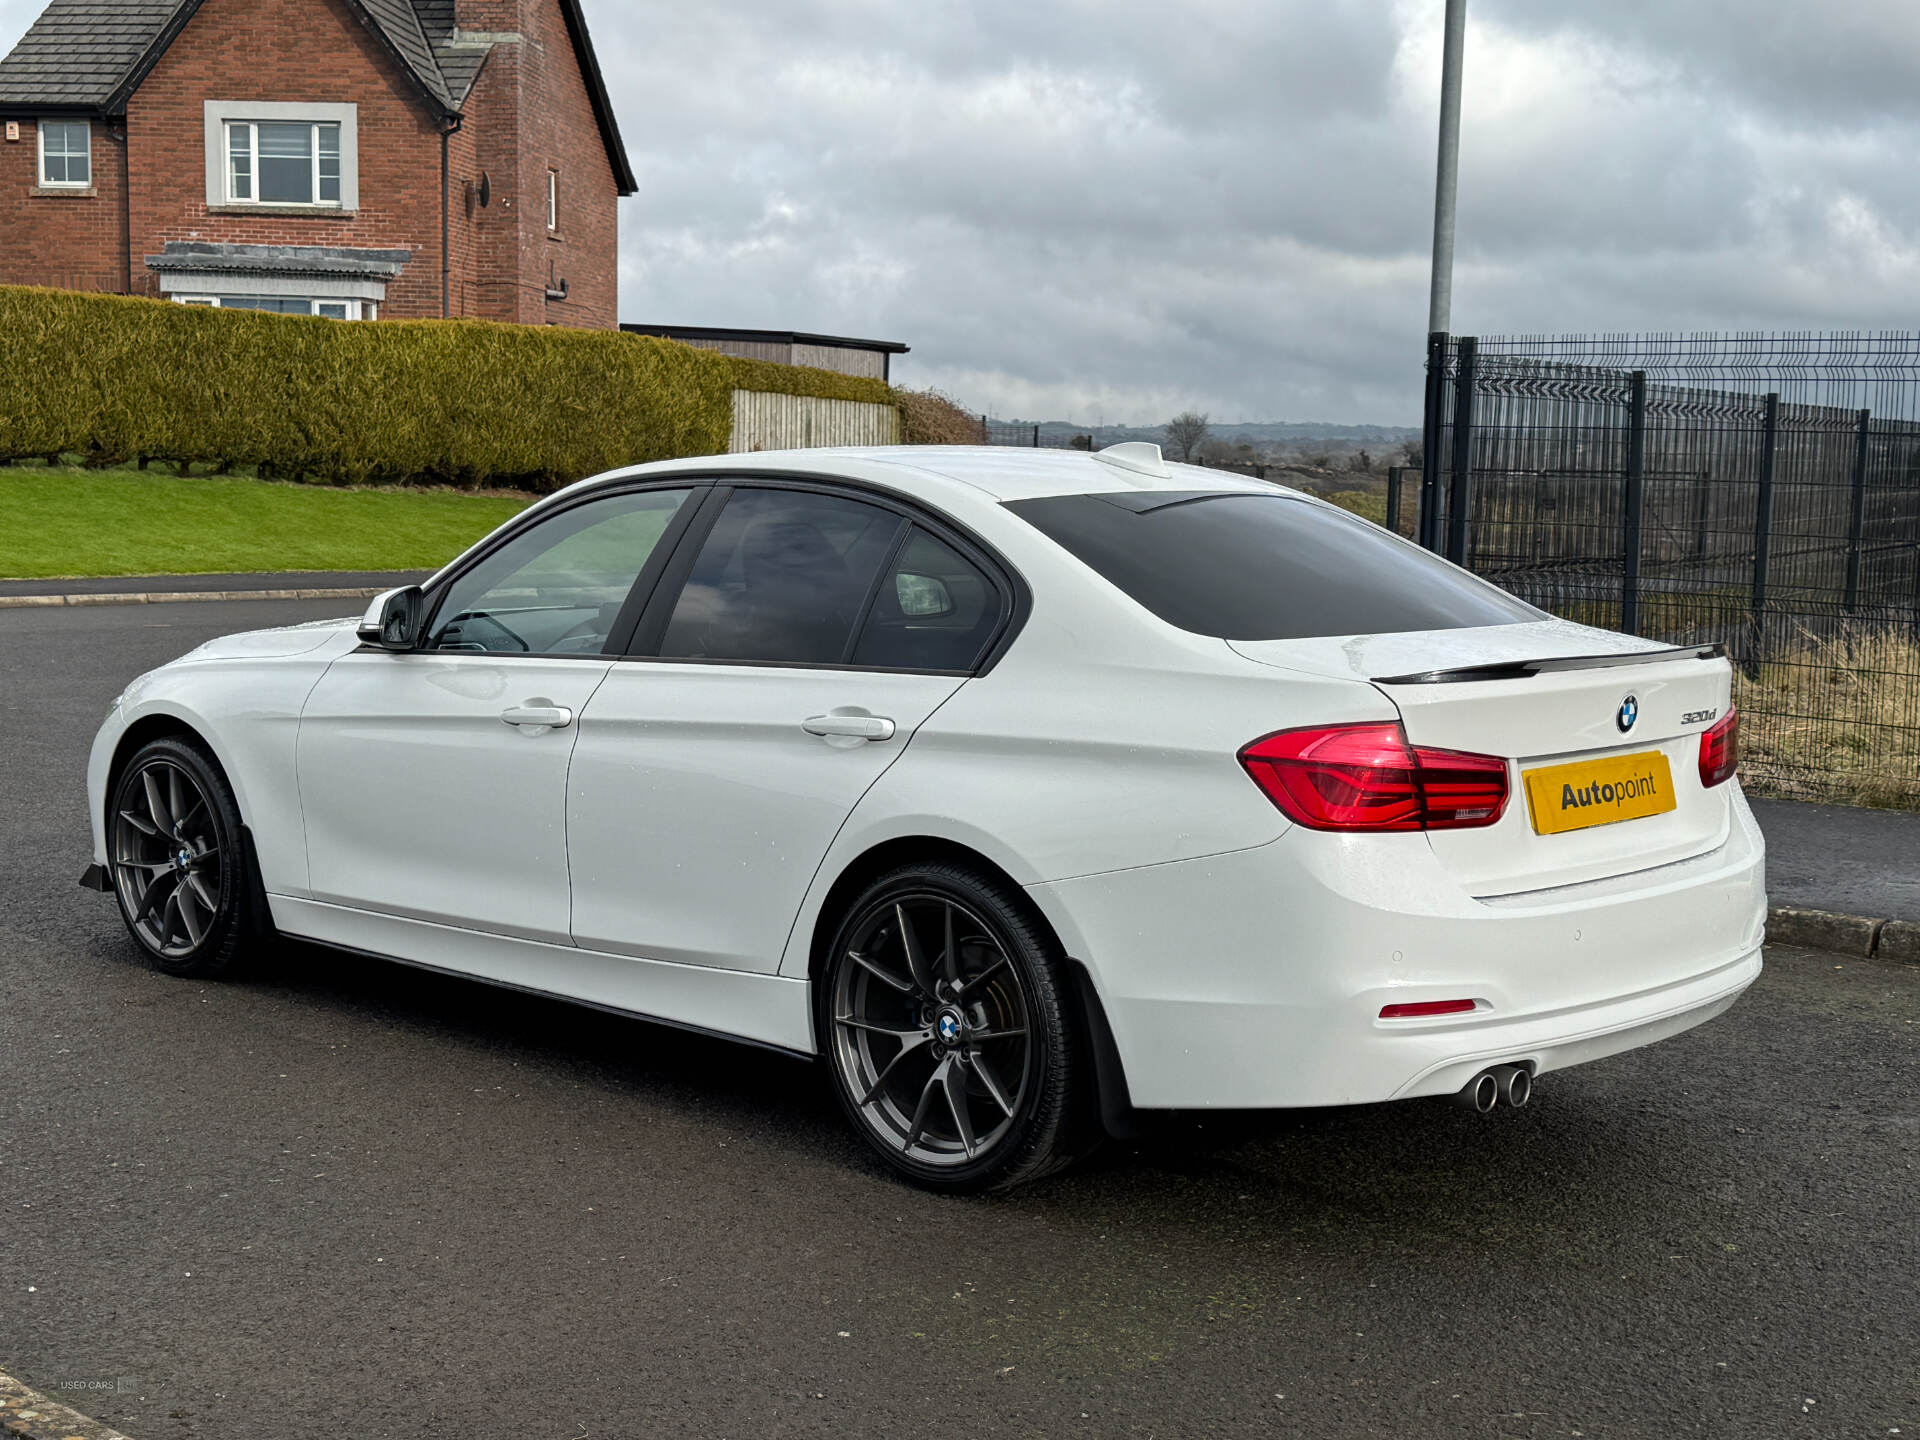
x=173 y=835
x=943 y=1018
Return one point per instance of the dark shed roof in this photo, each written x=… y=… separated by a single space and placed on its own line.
x=763 y=337
x=90 y=55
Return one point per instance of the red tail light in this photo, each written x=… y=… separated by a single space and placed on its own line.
x=1720 y=750
x=1414 y=1009
x=1367 y=777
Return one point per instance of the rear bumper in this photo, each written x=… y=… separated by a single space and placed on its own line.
x=1256 y=979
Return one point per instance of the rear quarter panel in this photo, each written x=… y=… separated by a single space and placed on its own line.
x=1098 y=743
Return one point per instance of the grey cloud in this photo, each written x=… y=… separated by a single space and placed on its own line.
x=1828 y=65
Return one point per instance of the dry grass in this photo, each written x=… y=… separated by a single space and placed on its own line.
x=1835 y=718
x=1359 y=502
x=929 y=418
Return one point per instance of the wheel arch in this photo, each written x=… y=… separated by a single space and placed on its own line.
x=160 y=725
x=1115 y=1106
x=155 y=725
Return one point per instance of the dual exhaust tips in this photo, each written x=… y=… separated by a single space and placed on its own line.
x=1498 y=1085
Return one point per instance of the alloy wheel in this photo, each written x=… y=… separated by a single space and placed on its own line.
x=167 y=860
x=932 y=1030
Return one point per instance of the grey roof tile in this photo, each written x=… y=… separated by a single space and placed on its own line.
x=459 y=62
x=401 y=26
x=78 y=51
x=187 y=255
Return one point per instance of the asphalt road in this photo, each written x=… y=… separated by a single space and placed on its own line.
x=1840 y=857
x=345 y=1198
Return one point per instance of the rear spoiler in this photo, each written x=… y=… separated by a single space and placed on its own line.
x=1525 y=669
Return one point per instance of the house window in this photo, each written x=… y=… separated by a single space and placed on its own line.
x=288 y=305
x=290 y=154
x=281 y=162
x=553 y=200
x=66 y=154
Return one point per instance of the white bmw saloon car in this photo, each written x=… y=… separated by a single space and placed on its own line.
x=1027 y=789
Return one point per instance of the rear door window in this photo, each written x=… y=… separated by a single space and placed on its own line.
x=1266 y=567
x=783 y=578
x=934 y=611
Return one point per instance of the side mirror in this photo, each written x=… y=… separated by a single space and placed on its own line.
x=392 y=621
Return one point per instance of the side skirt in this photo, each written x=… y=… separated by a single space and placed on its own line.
x=763 y=1010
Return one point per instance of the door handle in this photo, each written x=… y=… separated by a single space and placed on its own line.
x=542 y=717
x=856 y=727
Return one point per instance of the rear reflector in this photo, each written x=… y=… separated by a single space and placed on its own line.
x=1367 y=777
x=1425 y=1007
x=1720 y=750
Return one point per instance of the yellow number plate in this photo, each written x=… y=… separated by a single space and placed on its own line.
x=1599 y=792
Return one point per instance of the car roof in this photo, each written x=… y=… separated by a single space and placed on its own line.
x=1007 y=472
x=994 y=472
x=960 y=480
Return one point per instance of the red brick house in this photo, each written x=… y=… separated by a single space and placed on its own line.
x=352 y=158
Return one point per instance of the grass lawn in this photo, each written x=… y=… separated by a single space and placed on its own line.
x=70 y=522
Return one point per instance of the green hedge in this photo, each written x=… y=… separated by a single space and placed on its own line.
x=462 y=402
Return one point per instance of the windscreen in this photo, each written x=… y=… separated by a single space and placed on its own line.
x=1266 y=567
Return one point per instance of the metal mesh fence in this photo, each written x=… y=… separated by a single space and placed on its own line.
x=1758 y=490
x=1011 y=432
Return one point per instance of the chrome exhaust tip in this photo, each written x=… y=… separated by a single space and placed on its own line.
x=1480 y=1094
x=1515 y=1083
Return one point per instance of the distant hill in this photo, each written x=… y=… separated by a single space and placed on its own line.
x=1256 y=433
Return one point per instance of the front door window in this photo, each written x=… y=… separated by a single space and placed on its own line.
x=558 y=587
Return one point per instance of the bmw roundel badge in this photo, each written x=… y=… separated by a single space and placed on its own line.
x=1628 y=713
x=949 y=1026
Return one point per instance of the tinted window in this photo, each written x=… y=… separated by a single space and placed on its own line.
x=935 y=611
x=557 y=587
x=782 y=578
x=1266 y=567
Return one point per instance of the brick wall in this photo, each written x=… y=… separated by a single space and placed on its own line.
x=288 y=50
x=530 y=113
x=71 y=240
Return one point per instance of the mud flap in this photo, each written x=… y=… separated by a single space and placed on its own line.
x=1117 y=1115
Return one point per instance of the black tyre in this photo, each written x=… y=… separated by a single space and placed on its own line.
x=179 y=872
x=946 y=1023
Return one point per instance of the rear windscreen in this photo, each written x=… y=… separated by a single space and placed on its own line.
x=1266 y=567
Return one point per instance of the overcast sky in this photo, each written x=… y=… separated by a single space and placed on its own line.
x=1112 y=209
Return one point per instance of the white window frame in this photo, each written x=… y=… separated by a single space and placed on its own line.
x=553 y=201
x=252 y=128
x=40 y=130
x=218 y=114
x=353 y=309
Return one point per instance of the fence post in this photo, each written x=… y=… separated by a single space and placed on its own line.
x=1762 y=535
x=1036 y=437
x=1460 y=498
x=1857 y=529
x=1763 y=503
x=1394 y=472
x=1429 y=533
x=1635 y=501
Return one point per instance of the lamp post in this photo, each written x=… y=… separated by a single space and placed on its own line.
x=1447 y=172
